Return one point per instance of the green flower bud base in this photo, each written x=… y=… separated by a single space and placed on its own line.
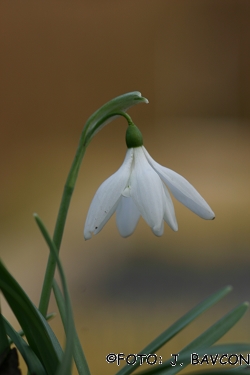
x=133 y=136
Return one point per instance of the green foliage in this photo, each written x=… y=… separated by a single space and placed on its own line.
x=39 y=335
x=204 y=341
x=78 y=354
x=65 y=364
x=207 y=339
x=33 y=363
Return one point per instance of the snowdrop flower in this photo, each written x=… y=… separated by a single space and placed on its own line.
x=139 y=188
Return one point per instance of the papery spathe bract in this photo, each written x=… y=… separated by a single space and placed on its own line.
x=137 y=189
x=108 y=112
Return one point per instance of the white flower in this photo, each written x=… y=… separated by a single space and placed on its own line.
x=137 y=189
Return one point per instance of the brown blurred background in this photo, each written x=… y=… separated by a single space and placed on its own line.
x=62 y=60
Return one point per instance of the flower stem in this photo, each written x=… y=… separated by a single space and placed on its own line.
x=86 y=137
x=60 y=224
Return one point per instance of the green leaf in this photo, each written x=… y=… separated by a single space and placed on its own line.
x=66 y=363
x=48 y=318
x=177 y=327
x=214 y=333
x=204 y=341
x=37 y=331
x=31 y=360
x=78 y=354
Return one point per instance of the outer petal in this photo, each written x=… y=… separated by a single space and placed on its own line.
x=147 y=191
x=159 y=232
x=169 y=212
x=182 y=189
x=127 y=216
x=106 y=198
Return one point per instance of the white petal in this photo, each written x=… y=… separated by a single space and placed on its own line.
x=159 y=232
x=127 y=216
x=182 y=189
x=147 y=191
x=169 y=212
x=106 y=198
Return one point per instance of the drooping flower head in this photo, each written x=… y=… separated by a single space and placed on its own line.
x=140 y=188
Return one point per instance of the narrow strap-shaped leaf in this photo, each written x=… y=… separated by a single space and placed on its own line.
x=48 y=317
x=65 y=365
x=78 y=354
x=215 y=332
x=205 y=340
x=35 y=327
x=31 y=360
x=181 y=323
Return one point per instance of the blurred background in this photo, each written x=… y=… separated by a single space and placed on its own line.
x=62 y=60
